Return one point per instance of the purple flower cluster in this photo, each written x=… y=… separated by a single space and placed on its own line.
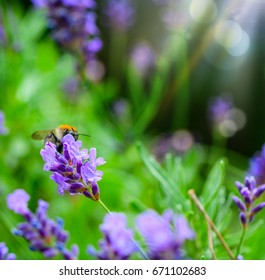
x=4 y=255
x=219 y=109
x=3 y=129
x=249 y=192
x=120 y=14
x=73 y=25
x=177 y=143
x=225 y=117
x=117 y=243
x=43 y=234
x=257 y=166
x=2 y=35
x=75 y=170
x=164 y=236
x=143 y=58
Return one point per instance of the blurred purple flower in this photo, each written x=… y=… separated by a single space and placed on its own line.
x=164 y=235
x=120 y=14
x=18 y=201
x=4 y=255
x=219 y=109
x=3 y=129
x=117 y=243
x=95 y=70
x=257 y=166
x=40 y=3
x=177 y=143
x=143 y=58
x=73 y=25
x=2 y=35
x=43 y=234
x=225 y=117
x=249 y=193
x=75 y=170
x=175 y=13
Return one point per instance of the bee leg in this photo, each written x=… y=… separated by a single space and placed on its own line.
x=51 y=138
x=59 y=147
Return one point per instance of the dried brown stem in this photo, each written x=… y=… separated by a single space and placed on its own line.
x=211 y=223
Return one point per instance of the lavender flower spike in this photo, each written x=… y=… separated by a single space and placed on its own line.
x=257 y=166
x=43 y=234
x=3 y=129
x=249 y=192
x=117 y=243
x=75 y=170
x=164 y=235
x=73 y=26
x=4 y=255
x=120 y=14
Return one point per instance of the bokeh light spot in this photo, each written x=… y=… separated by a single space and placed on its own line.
x=228 y=34
x=203 y=11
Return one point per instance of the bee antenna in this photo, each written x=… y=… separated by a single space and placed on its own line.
x=82 y=134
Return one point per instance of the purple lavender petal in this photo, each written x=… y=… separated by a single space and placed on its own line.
x=4 y=253
x=258 y=208
x=239 y=203
x=257 y=192
x=243 y=218
x=18 y=201
x=3 y=129
x=118 y=239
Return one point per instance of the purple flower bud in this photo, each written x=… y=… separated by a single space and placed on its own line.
x=4 y=255
x=250 y=182
x=258 y=208
x=258 y=191
x=243 y=218
x=246 y=193
x=239 y=203
x=239 y=185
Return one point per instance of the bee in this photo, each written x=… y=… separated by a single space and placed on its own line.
x=56 y=135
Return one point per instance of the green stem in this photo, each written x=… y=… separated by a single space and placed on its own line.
x=241 y=241
x=104 y=206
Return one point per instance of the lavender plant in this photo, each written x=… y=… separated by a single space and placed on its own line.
x=43 y=234
x=250 y=192
x=75 y=170
x=74 y=28
x=248 y=207
x=117 y=243
x=164 y=236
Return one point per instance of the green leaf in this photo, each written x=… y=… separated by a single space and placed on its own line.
x=169 y=185
x=213 y=183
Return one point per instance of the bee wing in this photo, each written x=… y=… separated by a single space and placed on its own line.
x=41 y=134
